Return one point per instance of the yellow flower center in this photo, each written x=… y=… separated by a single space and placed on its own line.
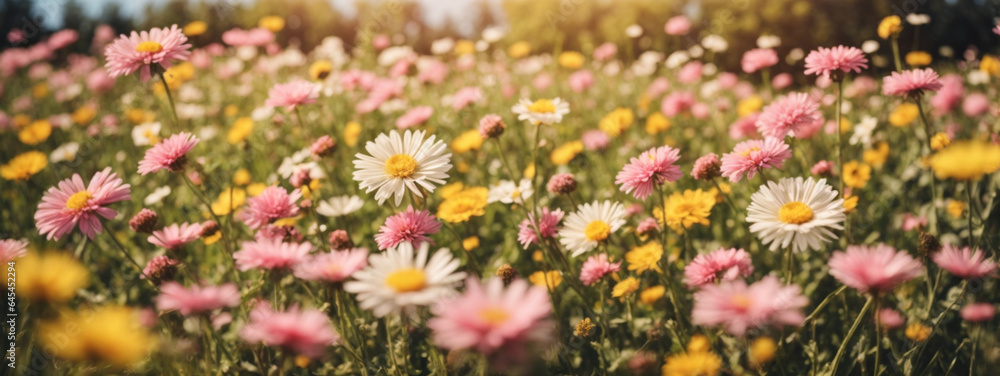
x=795 y=213
x=400 y=166
x=407 y=280
x=78 y=200
x=516 y=193
x=543 y=106
x=493 y=316
x=149 y=46
x=742 y=302
x=597 y=231
x=750 y=150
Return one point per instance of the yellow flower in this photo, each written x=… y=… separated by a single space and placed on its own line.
x=352 y=131
x=762 y=351
x=646 y=257
x=470 y=243
x=856 y=174
x=50 y=277
x=239 y=131
x=229 y=200
x=24 y=165
x=750 y=105
x=918 y=332
x=179 y=74
x=195 y=28
x=550 y=279
x=273 y=23
x=617 y=121
x=683 y=210
x=692 y=364
x=890 y=27
x=698 y=344
x=657 y=123
x=583 y=328
x=939 y=141
x=20 y=120
x=231 y=110
x=139 y=116
x=519 y=49
x=83 y=115
x=448 y=190
x=320 y=70
x=990 y=64
x=652 y=294
x=465 y=47
x=255 y=189
x=918 y=59
x=845 y=125
x=571 y=60
x=966 y=160
x=850 y=203
x=562 y=155
x=955 y=208
x=241 y=177
x=468 y=203
x=467 y=141
x=625 y=287
x=537 y=256
x=878 y=155
x=109 y=334
x=35 y=133
x=904 y=115
x=529 y=172
x=39 y=91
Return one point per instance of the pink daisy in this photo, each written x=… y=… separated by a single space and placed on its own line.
x=491 y=125
x=169 y=154
x=707 y=167
x=465 y=97
x=824 y=61
x=292 y=94
x=788 y=114
x=757 y=59
x=304 y=332
x=596 y=267
x=548 y=227
x=890 y=318
x=254 y=37
x=677 y=102
x=978 y=312
x=911 y=83
x=323 y=146
x=270 y=253
x=11 y=249
x=823 y=169
x=739 y=307
x=652 y=168
x=159 y=268
x=492 y=318
x=272 y=204
x=581 y=80
x=677 y=25
x=335 y=266
x=964 y=262
x=725 y=264
x=175 y=235
x=913 y=222
x=752 y=156
x=71 y=203
x=595 y=140
x=414 y=117
x=873 y=268
x=408 y=226
x=744 y=127
x=647 y=226
x=197 y=299
x=141 y=50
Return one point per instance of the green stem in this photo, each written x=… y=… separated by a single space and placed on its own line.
x=928 y=134
x=895 y=54
x=129 y=257
x=850 y=333
x=170 y=98
x=878 y=334
x=968 y=193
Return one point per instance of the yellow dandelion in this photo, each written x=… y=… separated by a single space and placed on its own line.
x=692 y=364
x=352 y=131
x=890 y=27
x=550 y=279
x=52 y=277
x=904 y=114
x=625 y=287
x=239 y=131
x=652 y=294
x=646 y=257
x=856 y=174
x=109 y=334
x=461 y=206
x=571 y=60
x=467 y=141
x=657 y=123
x=683 y=210
x=562 y=155
x=966 y=160
x=35 y=133
x=24 y=165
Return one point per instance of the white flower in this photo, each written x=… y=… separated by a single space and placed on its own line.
x=542 y=111
x=796 y=54
x=870 y=46
x=340 y=206
x=262 y=113
x=768 y=41
x=797 y=213
x=157 y=195
x=978 y=77
x=633 y=31
x=863 y=131
x=493 y=34
x=301 y=160
x=145 y=134
x=397 y=163
x=917 y=19
x=393 y=54
x=442 y=46
x=65 y=152
x=507 y=192
x=715 y=43
x=398 y=279
x=592 y=224
x=677 y=59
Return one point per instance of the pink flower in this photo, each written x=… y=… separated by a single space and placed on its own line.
x=911 y=83
x=744 y=127
x=323 y=146
x=964 y=262
x=996 y=30
x=432 y=71
x=62 y=39
x=175 y=235
x=978 y=312
x=335 y=266
x=781 y=81
x=823 y=168
x=913 y=222
x=653 y=167
x=159 y=268
x=752 y=156
x=381 y=41
x=889 y=318
x=465 y=97
x=254 y=37
x=596 y=267
x=824 y=61
x=11 y=249
x=788 y=114
x=677 y=25
x=757 y=59
x=707 y=167
x=605 y=51
x=99 y=81
x=563 y=183
x=169 y=154
x=71 y=204
x=272 y=204
x=595 y=140
x=492 y=318
x=292 y=94
x=581 y=80
x=739 y=307
x=491 y=125
x=677 y=102
x=542 y=81
x=690 y=72
x=270 y=253
x=408 y=226
x=548 y=226
x=951 y=93
x=976 y=104
x=657 y=87
x=414 y=117
x=304 y=332
x=873 y=268
x=724 y=264
x=128 y=54
x=647 y=226
x=197 y=299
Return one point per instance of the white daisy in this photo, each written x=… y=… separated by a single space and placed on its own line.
x=340 y=206
x=398 y=279
x=592 y=224
x=146 y=134
x=300 y=160
x=157 y=195
x=65 y=152
x=398 y=163
x=863 y=131
x=798 y=213
x=542 y=111
x=507 y=192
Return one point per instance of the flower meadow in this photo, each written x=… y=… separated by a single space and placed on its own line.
x=240 y=206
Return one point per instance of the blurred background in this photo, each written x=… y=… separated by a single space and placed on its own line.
x=545 y=24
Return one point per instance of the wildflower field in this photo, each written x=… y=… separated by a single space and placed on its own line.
x=174 y=204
